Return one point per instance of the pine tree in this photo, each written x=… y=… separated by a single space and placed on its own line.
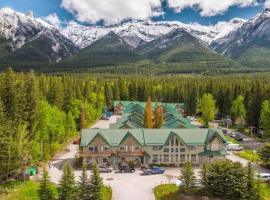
x=84 y=185
x=187 y=177
x=252 y=189
x=238 y=111
x=83 y=120
x=45 y=192
x=32 y=98
x=96 y=184
x=68 y=189
x=265 y=117
x=108 y=96
x=148 y=123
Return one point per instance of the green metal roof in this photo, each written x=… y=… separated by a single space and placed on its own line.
x=134 y=113
x=150 y=136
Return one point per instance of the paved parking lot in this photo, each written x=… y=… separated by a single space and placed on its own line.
x=105 y=124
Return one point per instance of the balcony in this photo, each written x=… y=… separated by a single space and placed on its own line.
x=95 y=153
x=130 y=153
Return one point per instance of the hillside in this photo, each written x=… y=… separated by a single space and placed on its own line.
x=250 y=44
x=110 y=50
x=182 y=48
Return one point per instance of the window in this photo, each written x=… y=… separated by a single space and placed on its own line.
x=106 y=148
x=122 y=148
x=172 y=149
x=176 y=142
x=176 y=158
x=182 y=149
x=105 y=160
x=155 y=148
x=172 y=142
x=166 y=150
x=182 y=158
x=172 y=158
x=176 y=150
x=155 y=158
x=166 y=158
x=193 y=157
x=91 y=149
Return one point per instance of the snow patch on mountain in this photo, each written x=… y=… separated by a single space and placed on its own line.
x=136 y=32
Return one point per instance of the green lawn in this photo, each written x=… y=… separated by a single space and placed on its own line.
x=265 y=191
x=171 y=192
x=229 y=139
x=247 y=154
x=29 y=191
x=106 y=193
x=25 y=191
x=166 y=192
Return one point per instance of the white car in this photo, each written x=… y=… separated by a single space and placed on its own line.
x=264 y=177
x=234 y=147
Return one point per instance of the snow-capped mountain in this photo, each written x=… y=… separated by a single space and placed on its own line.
x=20 y=29
x=250 y=43
x=136 y=32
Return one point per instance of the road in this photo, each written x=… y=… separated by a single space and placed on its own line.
x=131 y=186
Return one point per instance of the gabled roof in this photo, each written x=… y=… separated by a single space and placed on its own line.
x=151 y=136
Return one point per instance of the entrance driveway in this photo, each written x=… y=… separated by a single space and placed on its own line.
x=105 y=124
x=128 y=186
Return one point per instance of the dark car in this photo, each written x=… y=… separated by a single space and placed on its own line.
x=126 y=169
x=239 y=138
x=153 y=170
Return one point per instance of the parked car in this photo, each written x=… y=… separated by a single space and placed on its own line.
x=77 y=141
x=264 y=177
x=104 y=117
x=126 y=169
x=239 y=138
x=234 y=147
x=103 y=169
x=153 y=170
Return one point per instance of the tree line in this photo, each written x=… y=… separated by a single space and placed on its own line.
x=40 y=112
x=88 y=188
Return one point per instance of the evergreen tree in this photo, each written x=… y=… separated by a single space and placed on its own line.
x=45 y=191
x=148 y=119
x=84 y=185
x=83 y=120
x=108 y=96
x=68 y=189
x=265 y=117
x=252 y=188
x=96 y=184
x=207 y=107
x=32 y=98
x=264 y=154
x=187 y=177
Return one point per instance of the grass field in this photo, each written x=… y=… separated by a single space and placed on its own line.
x=29 y=191
x=171 y=192
x=247 y=154
x=265 y=191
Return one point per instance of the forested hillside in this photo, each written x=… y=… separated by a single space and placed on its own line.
x=38 y=112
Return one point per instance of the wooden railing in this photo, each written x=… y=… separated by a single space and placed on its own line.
x=130 y=153
x=95 y=153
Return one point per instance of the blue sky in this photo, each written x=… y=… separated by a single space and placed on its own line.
x=99 y=12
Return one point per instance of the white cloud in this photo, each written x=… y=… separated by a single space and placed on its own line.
x=54 y=20
x=209 y=7
x=113 y=11
x=267 y=4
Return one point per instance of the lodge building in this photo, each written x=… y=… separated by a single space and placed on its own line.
x=146 y=146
